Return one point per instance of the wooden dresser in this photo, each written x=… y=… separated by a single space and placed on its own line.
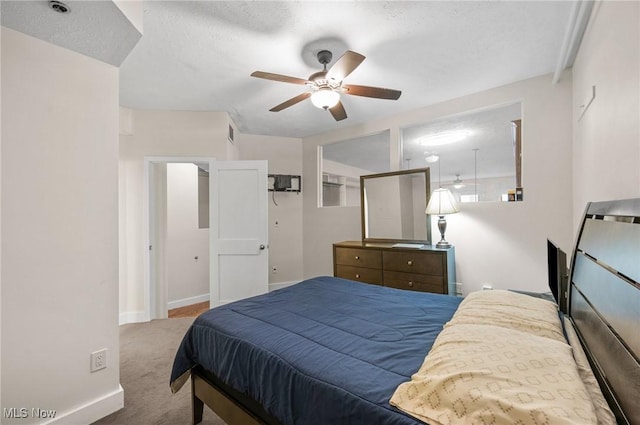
x=426 y=269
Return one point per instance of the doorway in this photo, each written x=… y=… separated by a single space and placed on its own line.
x=238 y=233
x=187 y=237
x=174 y=248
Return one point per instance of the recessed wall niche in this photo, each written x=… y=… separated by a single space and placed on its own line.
x=342 y=163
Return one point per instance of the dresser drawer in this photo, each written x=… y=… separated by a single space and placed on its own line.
x=359 y=257
x=429 y=269
x=361 y=274
x=414 y=282
x=420 y=262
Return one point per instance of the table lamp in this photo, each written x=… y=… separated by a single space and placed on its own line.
x=441 y=203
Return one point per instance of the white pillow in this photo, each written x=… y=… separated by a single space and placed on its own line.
x=483 y=374
x=510 y=310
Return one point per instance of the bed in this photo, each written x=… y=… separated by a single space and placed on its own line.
x=333 y=351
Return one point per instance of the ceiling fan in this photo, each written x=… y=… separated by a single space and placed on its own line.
x=457 y=183
x=325 y=86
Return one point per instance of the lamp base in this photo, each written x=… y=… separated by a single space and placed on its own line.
x=442 y=226
x=443 y=244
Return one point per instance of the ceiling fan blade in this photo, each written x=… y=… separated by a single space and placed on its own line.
x=366 y=91
x=344 y=65
x=338 y=111
x=291 y=102
x=279 y=77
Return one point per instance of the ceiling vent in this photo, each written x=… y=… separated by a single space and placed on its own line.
x=59 y=7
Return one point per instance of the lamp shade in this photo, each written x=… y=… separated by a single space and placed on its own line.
x=325 y=98
x=442 y=202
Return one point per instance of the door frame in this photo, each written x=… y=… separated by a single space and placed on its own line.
x=151 y=287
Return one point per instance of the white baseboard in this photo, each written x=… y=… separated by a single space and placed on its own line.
x=187 y=301
x=92 y=411
x=133 y=317
x=280 y=285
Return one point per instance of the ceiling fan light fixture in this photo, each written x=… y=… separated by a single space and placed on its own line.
x=326 y=86
x=431 y=157
x=325 y=98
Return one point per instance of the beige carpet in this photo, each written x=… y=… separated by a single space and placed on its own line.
x=146 y=357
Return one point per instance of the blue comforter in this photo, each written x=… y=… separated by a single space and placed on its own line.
x=325 y=351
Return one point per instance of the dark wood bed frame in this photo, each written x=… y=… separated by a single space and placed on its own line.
x=604 y=301
x=604 y=307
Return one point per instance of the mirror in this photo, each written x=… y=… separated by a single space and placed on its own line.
x=393 y=205
x=476 y=155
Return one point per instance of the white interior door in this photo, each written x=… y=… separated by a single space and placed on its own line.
x=239 y=226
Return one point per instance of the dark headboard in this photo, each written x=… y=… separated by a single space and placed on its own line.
x=604 y=300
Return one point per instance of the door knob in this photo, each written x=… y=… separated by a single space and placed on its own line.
x=262 y=246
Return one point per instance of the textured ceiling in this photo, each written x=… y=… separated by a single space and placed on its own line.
x=94 y=28
x=199 y=55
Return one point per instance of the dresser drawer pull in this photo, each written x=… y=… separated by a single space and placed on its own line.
x=410 y=263
x=357 y=257
x=410 y=284
x=357 y=276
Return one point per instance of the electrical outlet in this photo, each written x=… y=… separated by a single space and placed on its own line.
x=98 y=360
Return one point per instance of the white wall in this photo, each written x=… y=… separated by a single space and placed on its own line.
x=187 y=276
x=199 y=134
x=157 y=134
x=285 y=239
x=133 y=10
x=607 y=139
x=503 y=244
x=60 y=227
